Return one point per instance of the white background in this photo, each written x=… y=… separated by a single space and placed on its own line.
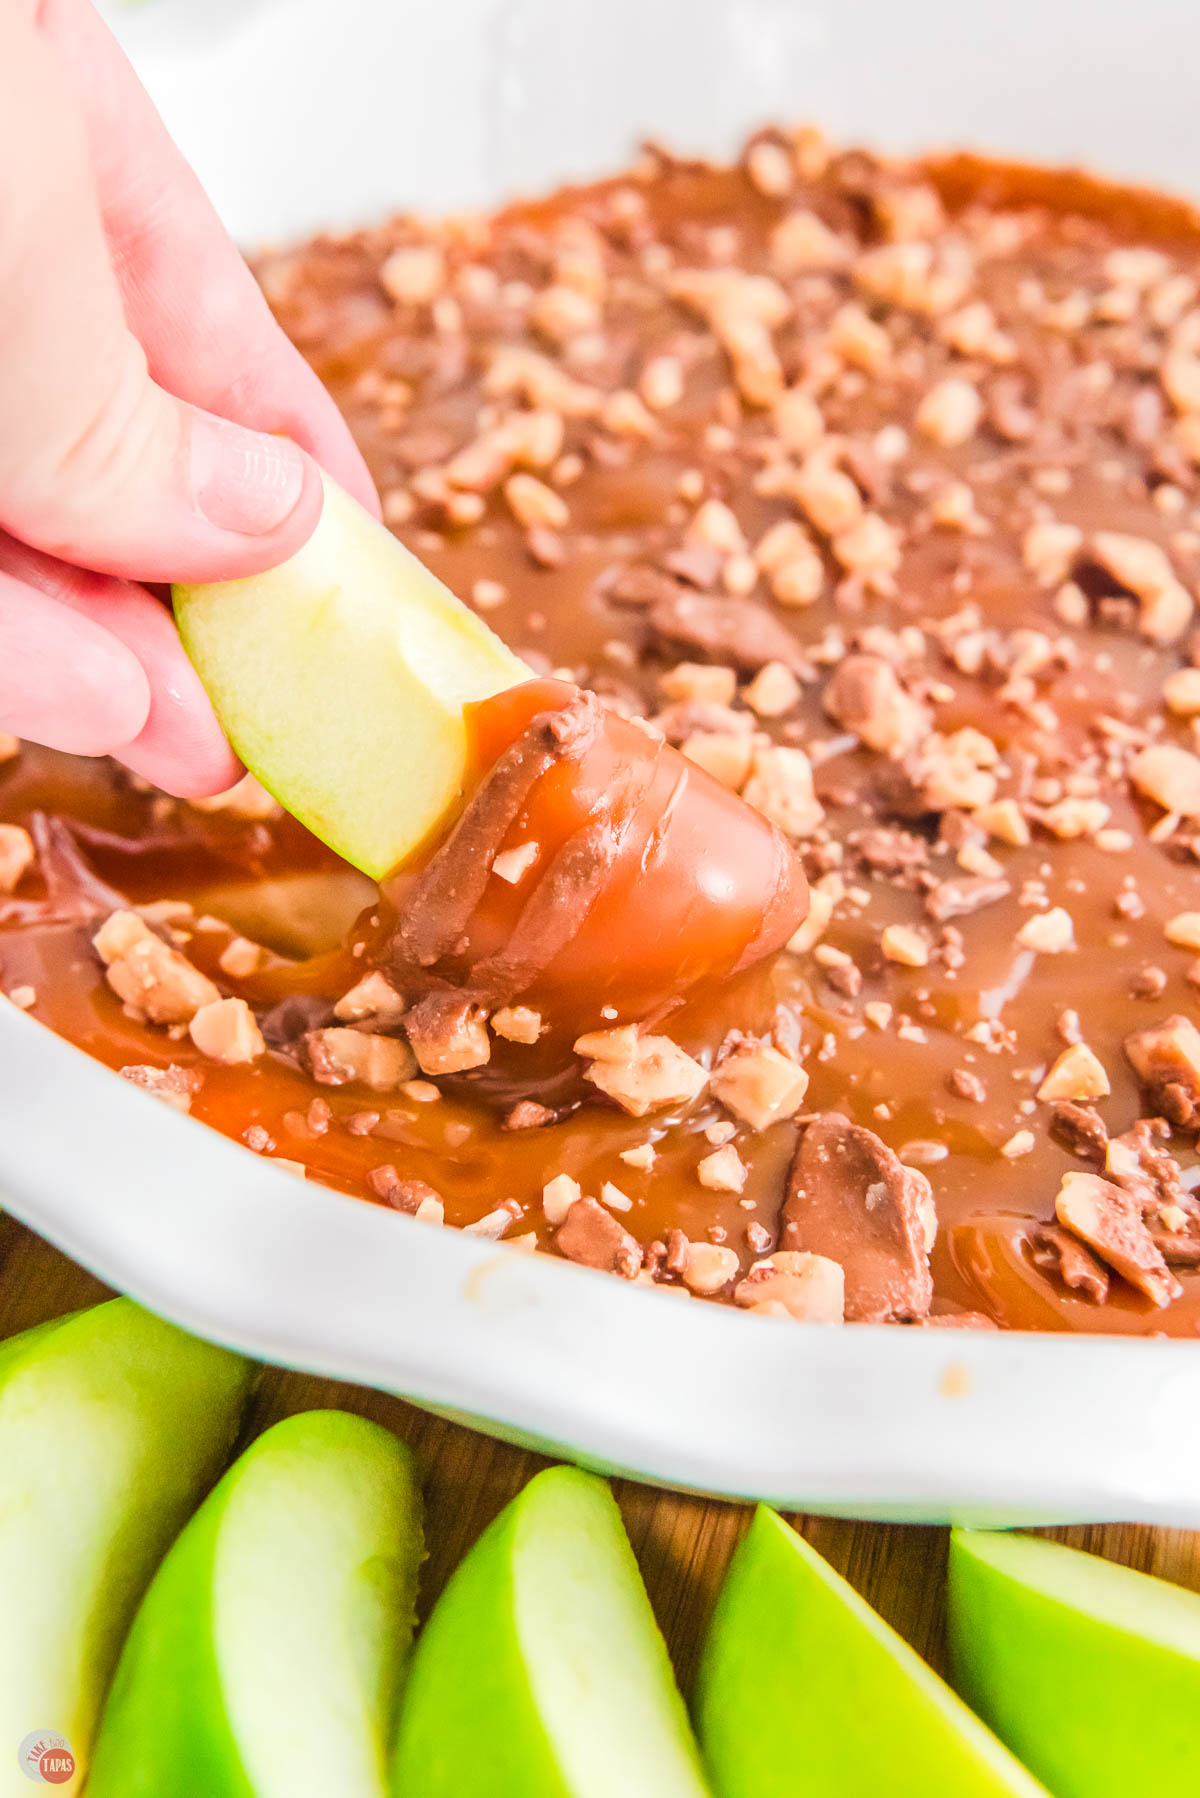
x=300 y=113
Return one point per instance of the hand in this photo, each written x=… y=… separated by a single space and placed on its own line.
x=141 y=380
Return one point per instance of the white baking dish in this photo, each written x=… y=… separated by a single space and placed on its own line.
x=306 y=112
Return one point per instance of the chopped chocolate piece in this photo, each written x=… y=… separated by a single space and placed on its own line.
x=401 y=1194
x=527 y=1114
x=959 y=898
x=675 y=1258
x=1055 y=1251
x=593 y=1237
x=286 y=1024
x=851 y=1197
x=641 y=585
x=1110 y=1222
x=697 y=564
x=891 y=851
x=436 y=914
x=738 y=631
x=1177 y=1251
x=175 y=1086
x=1144 y=1168
x=1082 y=1130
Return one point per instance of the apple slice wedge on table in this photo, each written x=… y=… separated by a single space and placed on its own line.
x=113 y=1425
x=804 y=1692
x=542 y=1672
x=266 y=1659
x=1088 y=1670
x=340 y=678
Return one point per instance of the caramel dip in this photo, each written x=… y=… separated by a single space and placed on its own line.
x=872 y=488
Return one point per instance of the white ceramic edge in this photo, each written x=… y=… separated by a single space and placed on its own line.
x=912 y=1424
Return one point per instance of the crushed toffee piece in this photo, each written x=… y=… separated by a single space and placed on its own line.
x=873 y=490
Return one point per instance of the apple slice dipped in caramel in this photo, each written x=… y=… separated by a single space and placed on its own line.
x=595 y=871
x=570 y=857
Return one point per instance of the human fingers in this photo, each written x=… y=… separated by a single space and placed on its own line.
x=64 y=679
x=179 y=745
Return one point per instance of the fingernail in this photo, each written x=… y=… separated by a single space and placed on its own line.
x=244 y=481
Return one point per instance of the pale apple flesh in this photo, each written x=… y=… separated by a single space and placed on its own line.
x=542 y=1672
x=266 y=1659
x=804 y=1692
x=1088 y=1670
x=112 y=1427
x=340 y=678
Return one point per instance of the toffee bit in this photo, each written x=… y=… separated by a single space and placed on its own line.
x=1057 y=1252
x=1076 y=1074
x=642 y=1073
x=966 y=1085
x=527 y=1114
x=16 y=856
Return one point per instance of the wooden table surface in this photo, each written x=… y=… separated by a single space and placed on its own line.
x=682 y=1543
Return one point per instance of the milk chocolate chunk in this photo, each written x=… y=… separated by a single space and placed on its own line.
x=1055 y=1251
x=1081 y=1129
x=720 y=629
x=851 y=1198
x=435 y=913
x=1110 y=1222
x=593 y=1237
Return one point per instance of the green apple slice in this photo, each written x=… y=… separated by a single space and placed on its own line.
x=340 y=678
x=266 y=1659
x=542 y=1673
x=805 y=1693
x=1089 y=1671
x=112 y=1427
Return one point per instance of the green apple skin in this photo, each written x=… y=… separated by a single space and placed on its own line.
x=1089 y=1671
x=542 y=1672
x=340 y=678
x=266 y=1659
x=113 y=1425
x=804 y=1692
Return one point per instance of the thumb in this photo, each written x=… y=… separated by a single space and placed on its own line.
x=99 y=465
